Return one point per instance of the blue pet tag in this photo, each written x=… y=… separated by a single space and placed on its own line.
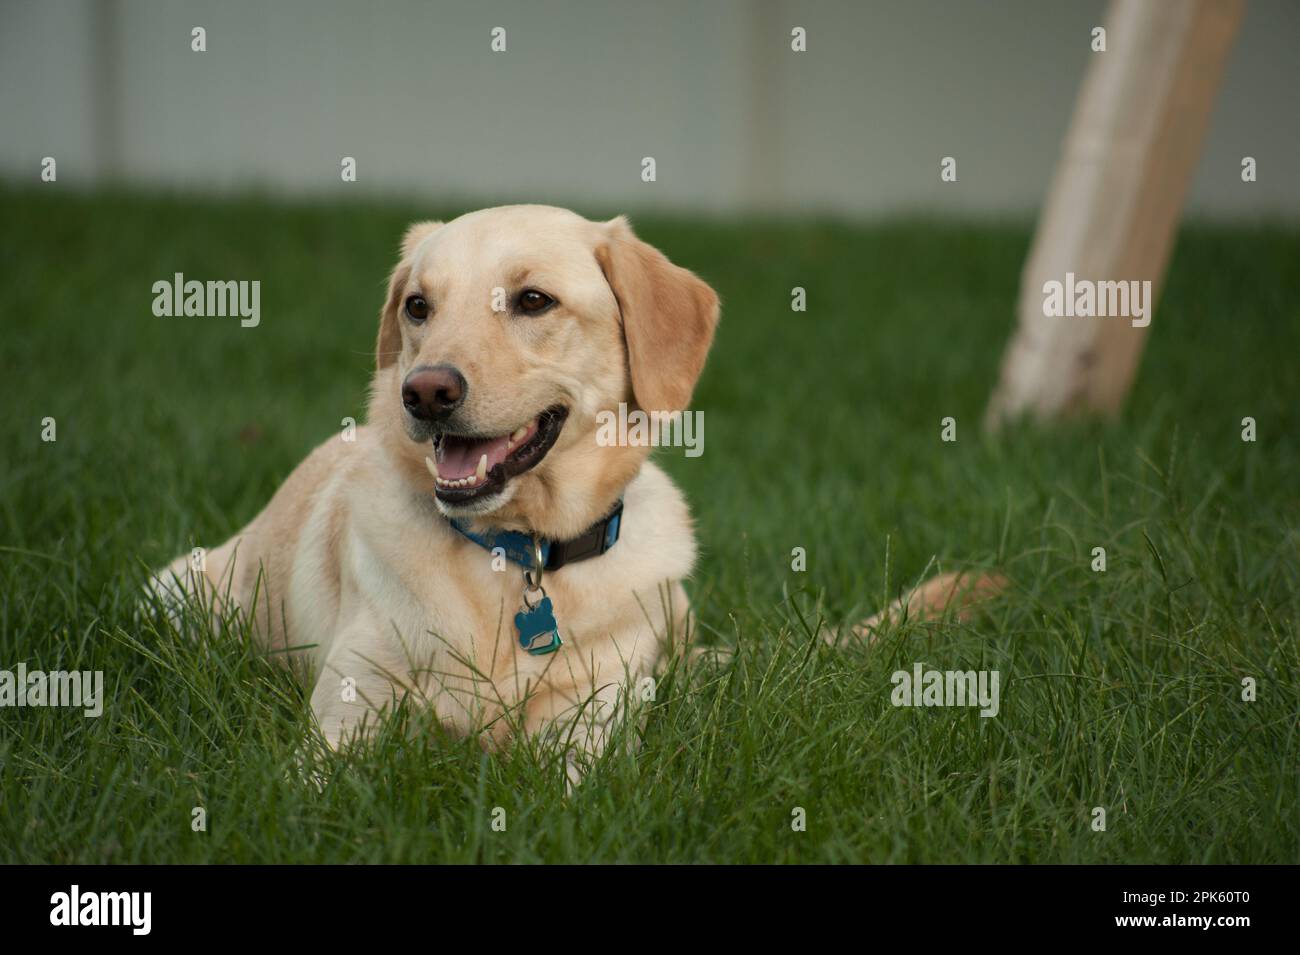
x=538 y=632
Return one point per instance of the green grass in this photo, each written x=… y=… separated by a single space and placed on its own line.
x=1120 y=690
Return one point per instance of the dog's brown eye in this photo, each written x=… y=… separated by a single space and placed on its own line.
x=531 y=300
x=417 y=309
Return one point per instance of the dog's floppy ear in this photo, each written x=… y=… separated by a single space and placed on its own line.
x=389 y=345
x=669 y=315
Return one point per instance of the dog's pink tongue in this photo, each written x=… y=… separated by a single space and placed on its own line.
x=458 y=457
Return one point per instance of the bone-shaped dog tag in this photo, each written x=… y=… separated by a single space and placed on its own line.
x=538 y=632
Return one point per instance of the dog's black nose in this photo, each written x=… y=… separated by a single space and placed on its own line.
x=432 y=394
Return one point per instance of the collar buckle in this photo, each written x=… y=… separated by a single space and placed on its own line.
x=597 y=539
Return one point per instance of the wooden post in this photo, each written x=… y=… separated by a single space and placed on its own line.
x=1114 y=203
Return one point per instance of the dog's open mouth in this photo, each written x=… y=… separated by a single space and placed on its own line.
x=468 y=467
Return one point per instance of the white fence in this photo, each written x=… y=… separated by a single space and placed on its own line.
x=735 y=120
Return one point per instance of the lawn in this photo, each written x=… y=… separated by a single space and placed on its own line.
x=1121 y=690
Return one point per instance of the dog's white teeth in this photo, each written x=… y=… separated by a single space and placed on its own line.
x=478 y=477
x=518 y=435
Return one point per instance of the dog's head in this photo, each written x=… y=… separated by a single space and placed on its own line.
x=504 y=333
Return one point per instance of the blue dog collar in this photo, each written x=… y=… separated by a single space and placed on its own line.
x=518 y=547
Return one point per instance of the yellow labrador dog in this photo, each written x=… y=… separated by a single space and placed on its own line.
x=476 y=544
